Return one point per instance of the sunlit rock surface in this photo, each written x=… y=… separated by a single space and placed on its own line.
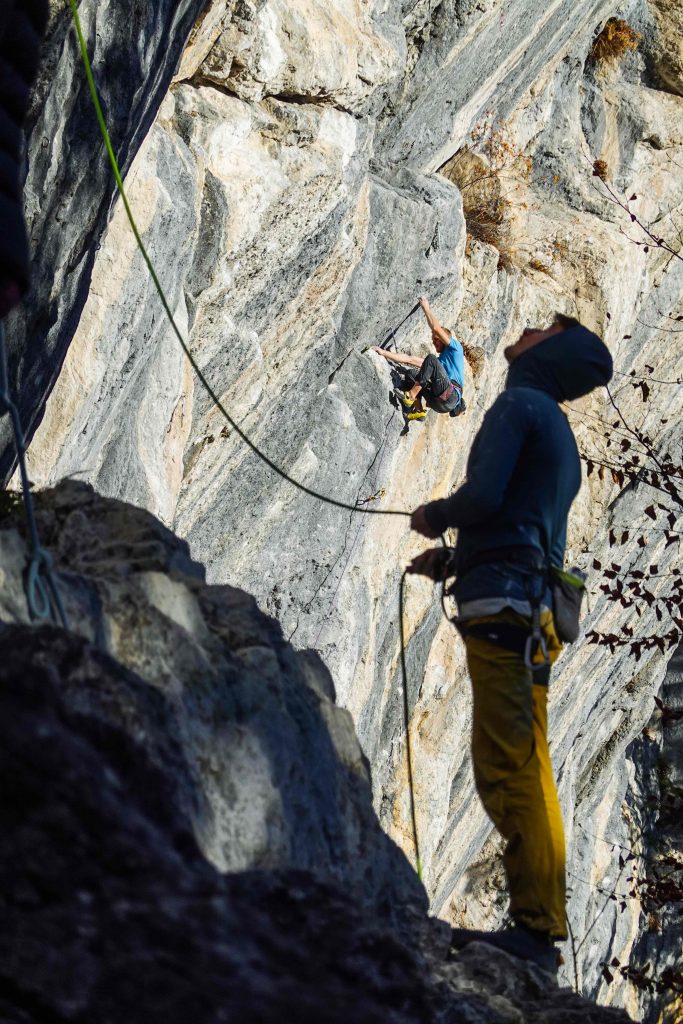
x=289 y=193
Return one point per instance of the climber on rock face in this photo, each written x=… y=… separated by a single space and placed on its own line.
x=511 y=513
x=438 y=379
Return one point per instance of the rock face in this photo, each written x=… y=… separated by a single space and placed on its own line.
x=68 y=191
x=265 y=766
x=297 y=192
x=112 y=774
x=655 y=802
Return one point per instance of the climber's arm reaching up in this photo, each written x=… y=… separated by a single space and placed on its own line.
x=398 y=357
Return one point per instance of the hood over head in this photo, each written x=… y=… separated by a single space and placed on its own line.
x=566 y=365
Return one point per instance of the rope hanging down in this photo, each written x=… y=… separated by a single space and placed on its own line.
x=406 y=706
x=42 y=593
x=209 y=390
x=167 y=309
x=406 y=719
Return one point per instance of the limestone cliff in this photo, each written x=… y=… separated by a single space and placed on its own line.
x=307 y=174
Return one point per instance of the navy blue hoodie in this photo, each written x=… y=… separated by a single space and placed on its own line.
x=524 y=470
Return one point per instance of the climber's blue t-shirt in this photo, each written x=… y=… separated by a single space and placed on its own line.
x=453 y=361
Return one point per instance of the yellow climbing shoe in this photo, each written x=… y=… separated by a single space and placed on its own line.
x=404 y=398
x=419 y=414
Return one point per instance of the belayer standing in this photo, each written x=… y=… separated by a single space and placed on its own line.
x=511 y=514
x=436 y=379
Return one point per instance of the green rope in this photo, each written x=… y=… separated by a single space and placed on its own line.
x=406 y=707
x=406 y=718
x=157 y=284
x=261 y=455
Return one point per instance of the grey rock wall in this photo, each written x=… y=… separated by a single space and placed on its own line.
x=267 y=770
x=288 y=193
x=656 y=816
x=69 y=187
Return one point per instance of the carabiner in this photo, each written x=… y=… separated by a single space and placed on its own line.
x=532 y=646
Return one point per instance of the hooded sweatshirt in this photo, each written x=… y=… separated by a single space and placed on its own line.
x=524 y=469
x=22 y=23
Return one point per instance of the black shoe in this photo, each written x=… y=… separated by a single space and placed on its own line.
x=525 y=943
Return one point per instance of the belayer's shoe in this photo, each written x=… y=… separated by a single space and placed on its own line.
x=525 y=943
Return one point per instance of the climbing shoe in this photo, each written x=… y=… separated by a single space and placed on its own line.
x=404 y=398
x=525 y=943
x=415 y=414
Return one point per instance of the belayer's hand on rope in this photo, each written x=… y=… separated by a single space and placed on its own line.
x=435 y=564
x=420 y=523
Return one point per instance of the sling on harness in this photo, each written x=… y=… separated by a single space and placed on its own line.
x=453 y=386
x=461 y=406
x=535 y=649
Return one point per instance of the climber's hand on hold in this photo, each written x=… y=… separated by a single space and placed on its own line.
x=418 y=522
x=430 y=563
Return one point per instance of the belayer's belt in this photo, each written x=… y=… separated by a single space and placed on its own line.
x=452 y=386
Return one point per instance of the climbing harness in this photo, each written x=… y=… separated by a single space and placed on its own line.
x=42 y=592
x=566 y=590
x=448 y=393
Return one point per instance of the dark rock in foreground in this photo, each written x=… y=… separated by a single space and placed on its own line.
x=263 y=763
x=111 y=913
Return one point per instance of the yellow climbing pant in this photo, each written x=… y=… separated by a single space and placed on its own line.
x=514 y=776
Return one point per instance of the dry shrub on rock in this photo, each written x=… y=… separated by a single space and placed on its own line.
x=491 y=173
x=614 y=41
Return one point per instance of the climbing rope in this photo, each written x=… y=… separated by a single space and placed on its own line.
x=406 y=720
x=327 y=499
x=406 y=706
x=42 y=593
